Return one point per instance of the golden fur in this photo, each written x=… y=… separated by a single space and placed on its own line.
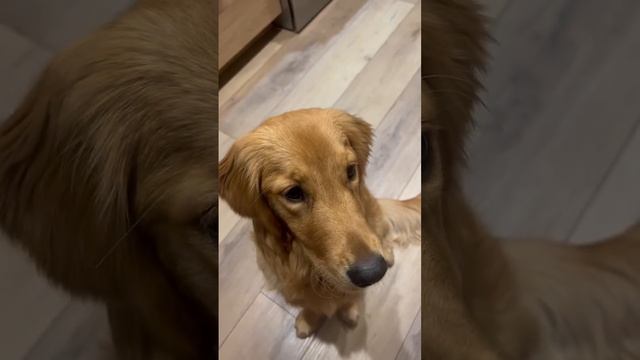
x=108 y=176
x=488 y=299
x=305 y=249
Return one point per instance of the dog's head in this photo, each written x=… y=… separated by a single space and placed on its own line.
x=300 y=176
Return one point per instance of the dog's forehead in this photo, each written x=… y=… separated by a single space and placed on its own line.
x=304 y=132
x=303 y=145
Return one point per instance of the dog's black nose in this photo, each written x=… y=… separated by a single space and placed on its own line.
x=367 y=271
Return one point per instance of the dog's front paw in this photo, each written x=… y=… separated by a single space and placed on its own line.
x=307 y=323
x=303 y=329
x=350 y=315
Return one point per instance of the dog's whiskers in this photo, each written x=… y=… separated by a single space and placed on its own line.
x=327 y=286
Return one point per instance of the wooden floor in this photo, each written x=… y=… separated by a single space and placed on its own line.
x=363 y=57
x=555 y=154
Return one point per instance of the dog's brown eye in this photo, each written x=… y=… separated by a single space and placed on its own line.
x=352 y=171
x=294 y=194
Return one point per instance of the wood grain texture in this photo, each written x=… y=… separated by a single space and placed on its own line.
x=271 y=327
x=249 y=108
x=240 y=21
x=240 y=280
x=396 y=151
x=373 y=92
x=560 y=74
x=414 y=186
x=341 y=63
x=411 y=347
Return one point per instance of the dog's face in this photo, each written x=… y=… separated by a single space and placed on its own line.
x=301 y=176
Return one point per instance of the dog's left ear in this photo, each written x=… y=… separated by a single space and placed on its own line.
x=360 y=135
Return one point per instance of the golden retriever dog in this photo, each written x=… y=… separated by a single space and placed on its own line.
x=320 y=234
x=108 y=176
x=488 y=299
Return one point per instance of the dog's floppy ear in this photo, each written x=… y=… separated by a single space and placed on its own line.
x=360 y=135
x=239 y=174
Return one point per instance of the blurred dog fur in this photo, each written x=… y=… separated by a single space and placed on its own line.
x=488 y=299
x=308 y=244
x=108 y=176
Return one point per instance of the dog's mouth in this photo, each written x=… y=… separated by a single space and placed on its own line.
x=331 y=285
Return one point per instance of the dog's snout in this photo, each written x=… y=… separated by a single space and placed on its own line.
x=367 y=271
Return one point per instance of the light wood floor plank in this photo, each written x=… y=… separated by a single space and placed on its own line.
x=380 y=83
x=414 y=187
x=327 y=80
x=265 y=332
x=396 y=150
x=411 y=348
x=224 y=144
x=297 y=56
x=240 y=280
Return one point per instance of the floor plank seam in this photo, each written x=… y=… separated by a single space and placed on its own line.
x=406 y=336
x=406 y=185
x=275 y=302
x=304 y=353
x=610 y=168
x=233 y=228
x=329 y=45
x=389 y=38
x=395 y=102
x=238 y=322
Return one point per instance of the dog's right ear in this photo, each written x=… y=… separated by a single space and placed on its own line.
x=240 y=173
x=239 y=176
